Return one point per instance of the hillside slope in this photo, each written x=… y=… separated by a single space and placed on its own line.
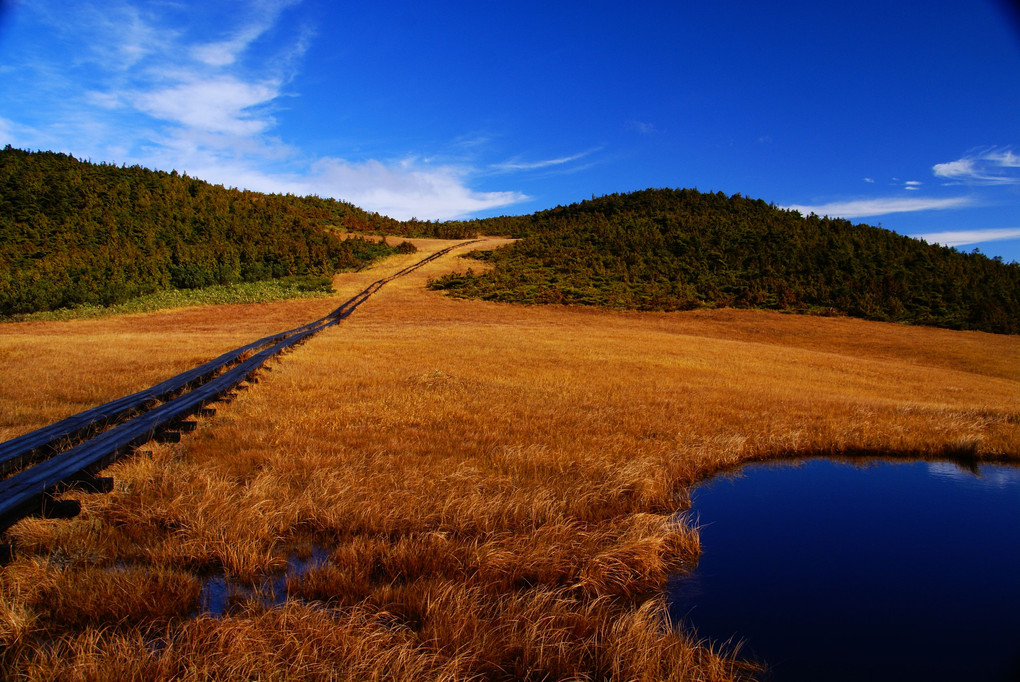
x=73 y=232
x=682 y=249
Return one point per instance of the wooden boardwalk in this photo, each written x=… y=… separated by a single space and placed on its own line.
x=70 y=452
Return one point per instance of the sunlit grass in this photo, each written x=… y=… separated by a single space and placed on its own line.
x=495 y=488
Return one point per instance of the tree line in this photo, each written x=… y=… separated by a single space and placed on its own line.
x=664 y=249
x=74 y=232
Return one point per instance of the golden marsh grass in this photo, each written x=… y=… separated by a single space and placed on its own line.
x=495 y=487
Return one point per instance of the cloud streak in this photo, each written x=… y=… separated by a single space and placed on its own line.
x=516 y=165
x=987 y=167
x=865 y=208
x=964 y=237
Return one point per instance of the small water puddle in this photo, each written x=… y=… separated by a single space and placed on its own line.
x=875 y=571
x=219 y=594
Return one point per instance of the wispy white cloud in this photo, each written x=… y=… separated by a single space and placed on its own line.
x=864 y=208
x=964 y=237
x=120 y=36
x=1005 y=158
x=986 y=167
x=518 y=165
x=912 y=185
x=262 y=17
x=226 y=52
x=20 y=135
x=162 y=94
x=406 y=189
x=223 y=104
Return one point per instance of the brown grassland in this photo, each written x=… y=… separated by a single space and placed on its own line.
x=479 y=490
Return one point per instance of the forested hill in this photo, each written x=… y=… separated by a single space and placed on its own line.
x=73 y=232
x=682 y=249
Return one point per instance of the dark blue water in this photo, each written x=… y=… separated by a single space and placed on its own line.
x=218 y=594
x=883 y=571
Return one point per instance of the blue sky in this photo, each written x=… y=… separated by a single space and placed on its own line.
x=904 y=114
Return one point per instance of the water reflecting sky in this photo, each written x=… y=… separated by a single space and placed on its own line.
x=886 y=571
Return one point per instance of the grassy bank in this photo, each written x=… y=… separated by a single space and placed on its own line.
x=493 y=487
x=266 y=291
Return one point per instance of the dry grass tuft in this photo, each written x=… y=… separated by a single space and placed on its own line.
x=647 y=552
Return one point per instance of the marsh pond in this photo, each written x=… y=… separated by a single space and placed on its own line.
x=873 y=570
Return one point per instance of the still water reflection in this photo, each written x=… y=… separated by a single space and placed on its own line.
x=875 y=571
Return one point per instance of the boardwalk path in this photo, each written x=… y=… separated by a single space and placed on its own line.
x=68 y=453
